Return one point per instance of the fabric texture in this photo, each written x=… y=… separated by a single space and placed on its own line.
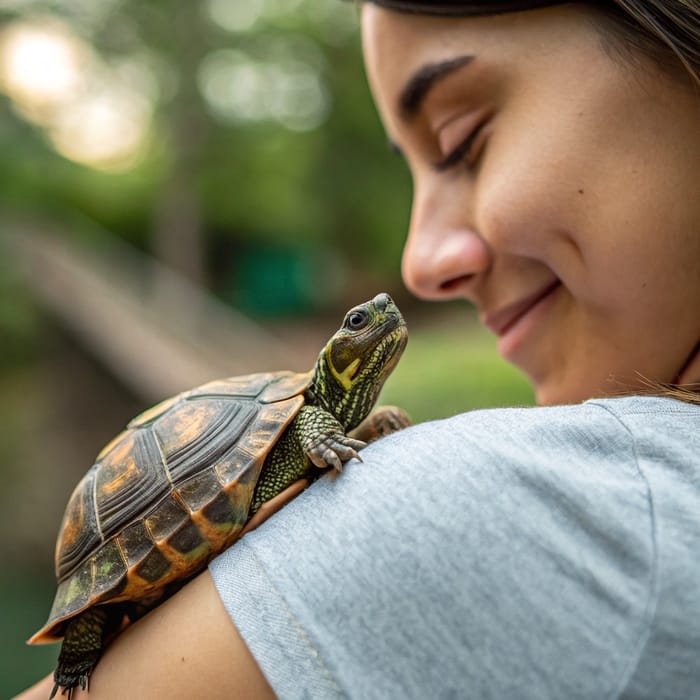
x=510 y=553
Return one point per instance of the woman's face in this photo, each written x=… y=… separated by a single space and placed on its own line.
x=555 y=187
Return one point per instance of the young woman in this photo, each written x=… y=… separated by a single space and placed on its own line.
x=535 y=553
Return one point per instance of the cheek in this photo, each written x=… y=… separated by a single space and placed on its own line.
x=591 y=238
x=528 y=213
x=542 y=197
x=542 y=175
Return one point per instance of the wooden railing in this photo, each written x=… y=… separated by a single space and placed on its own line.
x=157 y=332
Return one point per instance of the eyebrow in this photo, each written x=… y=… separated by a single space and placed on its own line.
x=422 y=82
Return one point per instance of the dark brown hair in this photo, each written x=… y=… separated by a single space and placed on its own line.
x=667 y=30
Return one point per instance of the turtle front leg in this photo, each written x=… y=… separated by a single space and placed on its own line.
x=323 y=439
x=313 y=438
x=383 y=421
x=80 y=651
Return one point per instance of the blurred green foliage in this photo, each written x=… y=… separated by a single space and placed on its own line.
x=25 y=599
x=19 y=319
x=284 y=173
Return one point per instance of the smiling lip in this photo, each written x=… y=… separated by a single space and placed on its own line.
x=500 y=321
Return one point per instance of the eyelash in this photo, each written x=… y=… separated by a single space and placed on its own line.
x=458 y=154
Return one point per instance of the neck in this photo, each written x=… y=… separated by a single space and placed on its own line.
x=690 y=372
x=349 y=406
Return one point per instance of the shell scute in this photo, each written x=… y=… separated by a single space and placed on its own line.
x=153 y=413
x=154 y=567
x=235 y=463
x=79 y=531
x=271 y=419
x=250 y=385
x=186 y=539
x=129 y=480
x=96 y=579
x=180 y=430
x=109 y=572
x=199 y=432
x=134 y=542
x=220 y=511
x=198 y=491
x=166 y=518
x=286 y=385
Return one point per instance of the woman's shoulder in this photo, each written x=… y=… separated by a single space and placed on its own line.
x=634 y=415
x=567 y=441
x=467 y=540
x=594 y=434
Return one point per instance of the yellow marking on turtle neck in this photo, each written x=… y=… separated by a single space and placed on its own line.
x=346 y=376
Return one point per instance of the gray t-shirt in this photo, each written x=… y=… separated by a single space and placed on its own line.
x=511 y=553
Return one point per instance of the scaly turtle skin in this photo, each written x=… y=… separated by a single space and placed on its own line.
x=180 y=483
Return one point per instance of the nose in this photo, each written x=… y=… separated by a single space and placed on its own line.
x=443 y=254
x=382 y=301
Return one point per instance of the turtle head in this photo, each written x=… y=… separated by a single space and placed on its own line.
x=355 y=363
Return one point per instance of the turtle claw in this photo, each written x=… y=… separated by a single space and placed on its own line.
x=67 y=690
x=334 y=450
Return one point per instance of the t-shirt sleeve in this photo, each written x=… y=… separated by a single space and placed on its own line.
x=500 y=553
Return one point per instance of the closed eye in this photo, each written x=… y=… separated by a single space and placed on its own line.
x=459 y=154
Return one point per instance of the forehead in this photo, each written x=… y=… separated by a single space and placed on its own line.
x=389 y=38
x=397 y=44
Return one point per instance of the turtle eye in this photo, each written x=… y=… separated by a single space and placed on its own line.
x=356 y=320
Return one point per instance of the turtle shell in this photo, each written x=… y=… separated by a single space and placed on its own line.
x=168 y=494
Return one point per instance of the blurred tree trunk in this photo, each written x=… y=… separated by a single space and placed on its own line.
x=179 y=236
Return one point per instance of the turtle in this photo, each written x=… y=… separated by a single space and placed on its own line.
x=186 y=477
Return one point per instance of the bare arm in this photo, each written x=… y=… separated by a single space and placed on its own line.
x=185 y=648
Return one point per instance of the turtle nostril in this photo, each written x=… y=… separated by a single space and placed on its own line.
x=381 y=301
